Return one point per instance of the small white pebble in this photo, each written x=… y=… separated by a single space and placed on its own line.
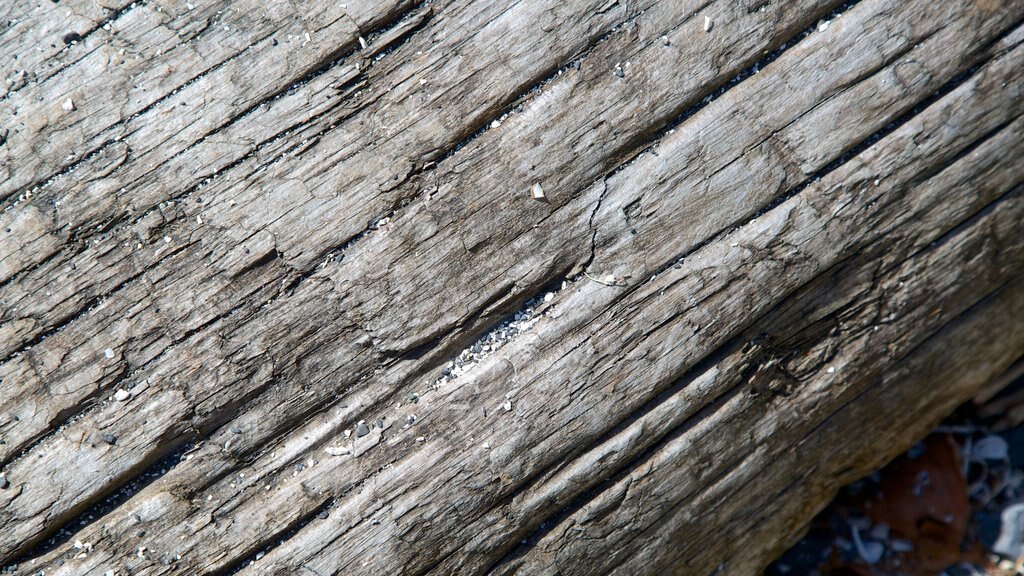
x=423 y=81
x=901 y=545
x=109 y=353
x=68 y=105
x=507 y=405
x=495 y=124
x=990 y=448
x=167 y=239
x=121 y=395
x=708 y=24
x=537 y=191
x=487 y=445
x=549 y=296
x=831 y=370
x=420 y=439
x=362 y=42
x=823 y=25
x=336 y=450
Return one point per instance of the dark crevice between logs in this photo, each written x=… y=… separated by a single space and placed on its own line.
x=965 y=316
x=259 y=549
x=95 y=510
x=741 y=386
x=852 y=152
x=336 y=253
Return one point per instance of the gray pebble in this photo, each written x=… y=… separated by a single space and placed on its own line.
x=362 y=430
x=619 y=72
x=4 y=483
x=323 y=514
x=380 y=423
x=108 y=438
x=235 y=430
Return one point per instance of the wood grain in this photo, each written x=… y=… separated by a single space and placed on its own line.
x=244 y=276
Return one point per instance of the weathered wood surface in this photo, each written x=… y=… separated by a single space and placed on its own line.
x=775 y=237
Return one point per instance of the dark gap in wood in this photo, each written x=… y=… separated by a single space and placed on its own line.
x=980 y=302
x=718 y=90
x=938 y=169
x=87 y=403
x=271 y=541
x=954 y=83
x=41 y=183
x=117 y=13
x=520 y=95
x=336 y=253
x=385 y=23
x=653 y=450
x=340 y=55
x=75 y=248
x=974 y=308
x=85 y=308
x=95 y=510
x=733 y=345
x=19 y=195
x=327 y=63
x=523 y=545
x=465 y=340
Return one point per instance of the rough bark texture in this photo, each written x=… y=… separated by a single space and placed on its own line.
x=276 y=296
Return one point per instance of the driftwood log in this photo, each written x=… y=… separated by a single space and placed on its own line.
x=465 y=286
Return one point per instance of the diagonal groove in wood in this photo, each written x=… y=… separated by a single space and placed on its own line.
x=592 y=238
x=740 y=386
x=972 y=145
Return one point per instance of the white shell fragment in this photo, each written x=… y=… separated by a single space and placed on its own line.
x=336 y=450
x=708 y=24
x=870 y=552
x=537 y=191
x=68 y=105
x=991 y=448
x=121 y=395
